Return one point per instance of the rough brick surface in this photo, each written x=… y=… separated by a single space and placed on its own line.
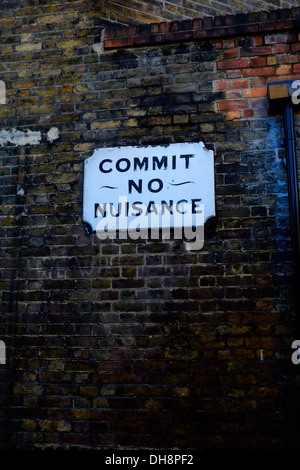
x=149 y=11
x=142 y=344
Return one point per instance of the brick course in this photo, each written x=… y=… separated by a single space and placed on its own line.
x=131 y=12
x=141 y=344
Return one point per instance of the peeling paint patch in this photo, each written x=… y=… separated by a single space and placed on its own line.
x=27 y=137
x=52 y=134
x=20 y=138
x=99 y=48
x=20 y=190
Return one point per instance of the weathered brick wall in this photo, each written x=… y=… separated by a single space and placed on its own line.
x=149 y=11
x=142 y=344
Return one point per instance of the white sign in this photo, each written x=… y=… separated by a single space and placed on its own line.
x=165 y=185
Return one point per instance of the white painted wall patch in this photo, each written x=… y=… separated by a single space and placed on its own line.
x=27 y=137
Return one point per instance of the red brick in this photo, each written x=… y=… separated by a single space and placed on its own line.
x=231 y=54
x=278 y=25
x=180 y=36
x=259 y=103
x=164 y=27
x=132 y=30
x=110 y=33
x=234 y=94
x=259 y=113
x=258 y=61
x=255 y=92
x=235 y=114
x=240 y=83
x=233 y=73
x=296 y=68
x=197 y=23
x=295 y=47
x=118 y=42
x=248 y=113
x=283 y=78
x=281 y=38
x=223 y=85
x=142 y=40
x=234 y=104
x=283 y=70
x=232 y=84
x=258 y=40
x=122 y=31
x=258 y=81
x=259 y=50
x=287 y=59
x=258 y=71
x=281 y=49
x=233 y=64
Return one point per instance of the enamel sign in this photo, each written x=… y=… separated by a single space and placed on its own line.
x=149 y=187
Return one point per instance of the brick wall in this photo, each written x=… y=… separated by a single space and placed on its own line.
x=141 y=344
x=132 y=11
